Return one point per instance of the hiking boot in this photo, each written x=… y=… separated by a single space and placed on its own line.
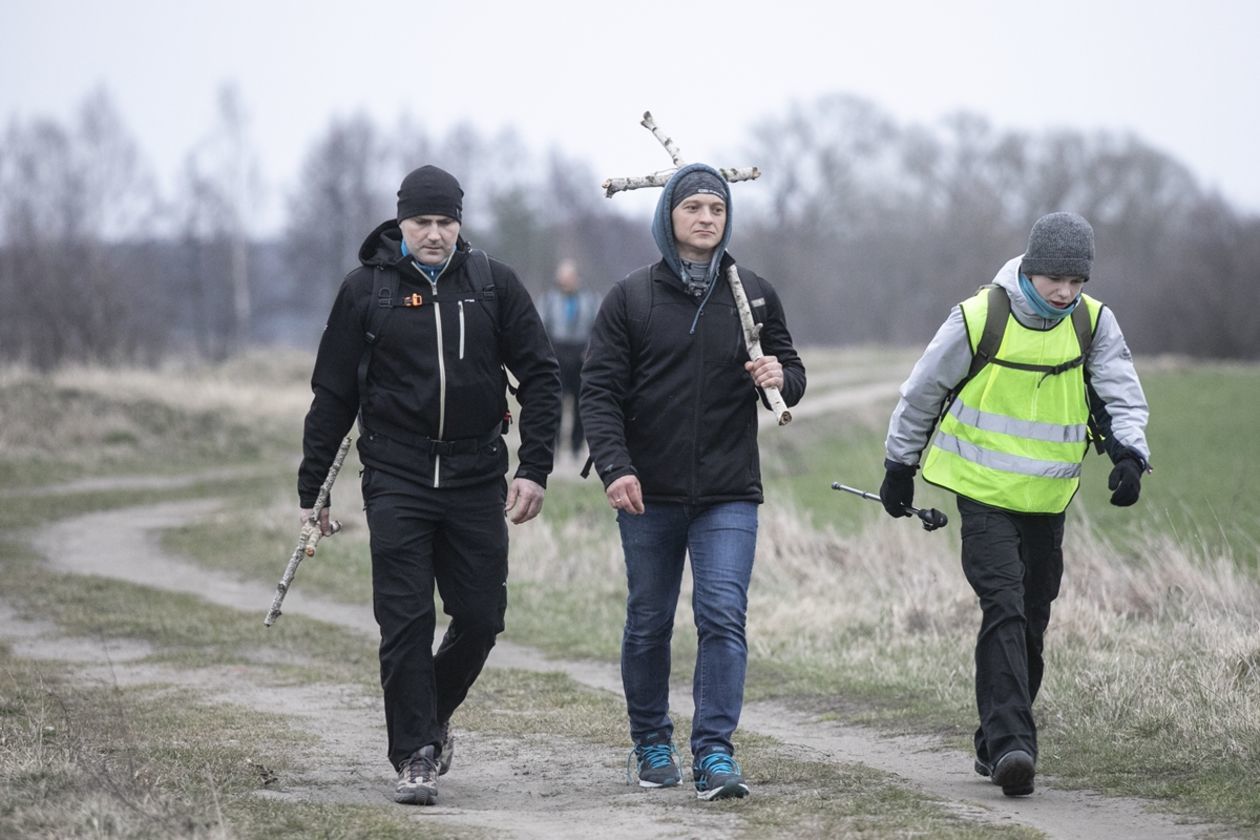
x=448 y=749
x=718 y=776
x=417 y=779
x=1014 y=773
x=657 y=764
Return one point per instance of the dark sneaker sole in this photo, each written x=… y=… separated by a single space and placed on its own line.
x=1014 y=773
x=423 y=796
x=730 y=790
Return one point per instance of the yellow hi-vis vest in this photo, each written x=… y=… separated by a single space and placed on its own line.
x=1015 y=435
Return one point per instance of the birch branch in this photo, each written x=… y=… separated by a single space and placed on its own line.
x=668 y=142
x=658 y=179
x=752 y=339
x=310 y=535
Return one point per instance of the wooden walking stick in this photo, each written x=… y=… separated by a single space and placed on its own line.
x=310 y=534
x=752 y=331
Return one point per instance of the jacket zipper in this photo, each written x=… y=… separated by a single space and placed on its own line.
x=461 y=330
x=437 y=322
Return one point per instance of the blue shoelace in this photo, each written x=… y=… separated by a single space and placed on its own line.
x=719 y=762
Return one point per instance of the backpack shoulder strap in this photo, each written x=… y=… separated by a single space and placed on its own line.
x=639 y=290
x=999 y=310
x=1084 y=326
x=482 y=280
x=379 y=305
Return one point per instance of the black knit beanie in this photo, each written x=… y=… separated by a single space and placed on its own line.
x=697 y=181
x=429 y=191
x=1059 y=245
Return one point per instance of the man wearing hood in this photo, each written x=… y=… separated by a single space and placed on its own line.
x=1016 y=413
x=669 y=405
x=416 y=346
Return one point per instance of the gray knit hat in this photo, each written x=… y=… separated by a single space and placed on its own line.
x=1059 y=245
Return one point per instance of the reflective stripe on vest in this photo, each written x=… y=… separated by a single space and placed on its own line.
x=1015 y=438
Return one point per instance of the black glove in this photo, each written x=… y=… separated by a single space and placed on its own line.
x=897 y=491
x=1125 y=481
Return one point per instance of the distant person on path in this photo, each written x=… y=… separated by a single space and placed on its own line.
x=669 y=404
x=568 y=312
x=1018 y=397
x=416 y=347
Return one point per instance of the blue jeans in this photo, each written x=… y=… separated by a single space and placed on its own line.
x=720 y=540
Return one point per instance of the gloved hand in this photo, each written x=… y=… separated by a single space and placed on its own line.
x=1125 y=481
x=897 y=491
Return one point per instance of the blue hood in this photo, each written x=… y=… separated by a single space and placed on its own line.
x=663 y=225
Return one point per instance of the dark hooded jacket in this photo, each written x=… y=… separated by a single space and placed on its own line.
x=428 y=383
x=664 y=392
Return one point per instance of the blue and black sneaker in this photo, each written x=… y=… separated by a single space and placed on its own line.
x=718 y=776
x=657 y=762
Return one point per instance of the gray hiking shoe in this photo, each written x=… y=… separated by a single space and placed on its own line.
x=417 y=779
x=448 y=750
x=717 y=776
x=1014 y=773
x=657 y=761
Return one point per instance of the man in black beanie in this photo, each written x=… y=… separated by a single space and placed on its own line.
x=1015 y=400
x=416 y=347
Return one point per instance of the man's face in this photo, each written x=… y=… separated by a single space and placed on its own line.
x=430 y=239
x=699 y=222
x=1057 y=291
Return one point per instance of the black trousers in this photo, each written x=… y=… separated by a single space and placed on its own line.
x=570 y=356
x=456 y=538
x=1014 y=562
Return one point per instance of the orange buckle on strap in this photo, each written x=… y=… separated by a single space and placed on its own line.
x=412 y=299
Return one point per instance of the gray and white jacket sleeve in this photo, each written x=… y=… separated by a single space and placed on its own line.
x=1115 y=381
x=943 y=365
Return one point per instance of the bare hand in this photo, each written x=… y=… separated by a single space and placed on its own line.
x=524 y=500
x=324 y=528
x=766 y=372
x=626 y=494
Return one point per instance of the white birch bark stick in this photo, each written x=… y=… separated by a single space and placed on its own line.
x=752 y=338
x=659 y=179
x=668 y=142
x=310 y=535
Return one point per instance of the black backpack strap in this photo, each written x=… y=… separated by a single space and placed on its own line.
x=1084 y=327
x=991 y=336
x=379 y=305
x=639 y=290
x=482 y=280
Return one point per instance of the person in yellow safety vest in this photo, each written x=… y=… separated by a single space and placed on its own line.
x=1013 y=419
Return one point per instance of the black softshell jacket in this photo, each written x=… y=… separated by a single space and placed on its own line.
x=678 y=409
x=421 y=386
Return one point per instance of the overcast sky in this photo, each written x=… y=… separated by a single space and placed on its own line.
x=1181 y=75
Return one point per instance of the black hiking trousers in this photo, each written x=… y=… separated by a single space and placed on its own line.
x=456 y=538
x=1014 y=562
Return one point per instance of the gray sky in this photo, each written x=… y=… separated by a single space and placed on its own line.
x=1181 y=75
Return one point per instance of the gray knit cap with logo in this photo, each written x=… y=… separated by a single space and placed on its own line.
x=1059 y=245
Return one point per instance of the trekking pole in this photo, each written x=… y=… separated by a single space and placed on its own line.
x=931 y=517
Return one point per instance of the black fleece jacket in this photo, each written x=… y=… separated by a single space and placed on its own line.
x=436 y=373
x=678 y=409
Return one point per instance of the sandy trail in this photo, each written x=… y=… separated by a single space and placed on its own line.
x=506 y=786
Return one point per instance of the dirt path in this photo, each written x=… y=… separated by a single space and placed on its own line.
x=502 y=785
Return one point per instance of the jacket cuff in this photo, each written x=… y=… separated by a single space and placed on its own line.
x=616 y=473
x=539 y=478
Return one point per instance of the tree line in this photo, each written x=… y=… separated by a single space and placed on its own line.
x=870 y=228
